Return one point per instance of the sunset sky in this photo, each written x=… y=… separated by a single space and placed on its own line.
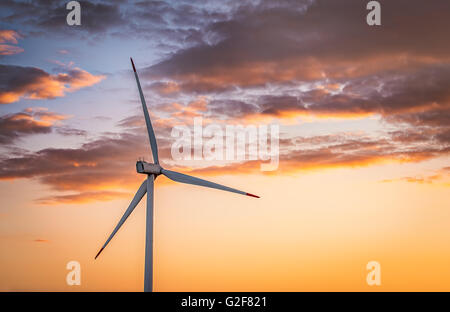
x=363 y=175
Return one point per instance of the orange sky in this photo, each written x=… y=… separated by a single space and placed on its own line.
x=313 y=231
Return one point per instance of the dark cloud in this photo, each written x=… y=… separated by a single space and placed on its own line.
x=433 y=117
x=30 y=121
x=170 y=25
x=443 y=136
x=15 y=79
x=269 y=43
x=232 y=108
x=12 y=128
x=425 y=89
x=232 y=34
x=96 y=17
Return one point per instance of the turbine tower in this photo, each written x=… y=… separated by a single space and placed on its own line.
x=153 y=170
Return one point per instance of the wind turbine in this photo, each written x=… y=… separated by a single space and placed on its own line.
x=153 y=170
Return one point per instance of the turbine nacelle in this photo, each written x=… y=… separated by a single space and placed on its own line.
x=148 y=168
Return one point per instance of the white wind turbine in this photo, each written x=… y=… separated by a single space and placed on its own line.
x=152 y=170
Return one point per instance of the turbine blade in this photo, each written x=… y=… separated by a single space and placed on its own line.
x=151 y=133
x=184 y=178
x=137 y=198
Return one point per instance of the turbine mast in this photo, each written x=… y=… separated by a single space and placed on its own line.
x=148 y=274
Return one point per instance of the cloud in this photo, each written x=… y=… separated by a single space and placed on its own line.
x=6 y=49
x=30 y=121
x=103 y=169
x=96 y=17
x=9 y=36
x=67 y=131
x=294 y=66
x=165 y=88
x=244 y=61
x=439 y=177
x=417 y=103
x=335 y=151
x=435 y=117
x=166 y=25
x=33 y=83
x=101 y=164
x=233 y=108
x=82 y=198
x=417 y=97
x=40 y=240
x=51 y=15
x=269 y=43
x=193 y=109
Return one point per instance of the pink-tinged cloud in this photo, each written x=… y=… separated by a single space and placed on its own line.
x=33 y=83
x=9 y=36
x=6 y=49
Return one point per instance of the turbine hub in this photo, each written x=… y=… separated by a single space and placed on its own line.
x=148 y=168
